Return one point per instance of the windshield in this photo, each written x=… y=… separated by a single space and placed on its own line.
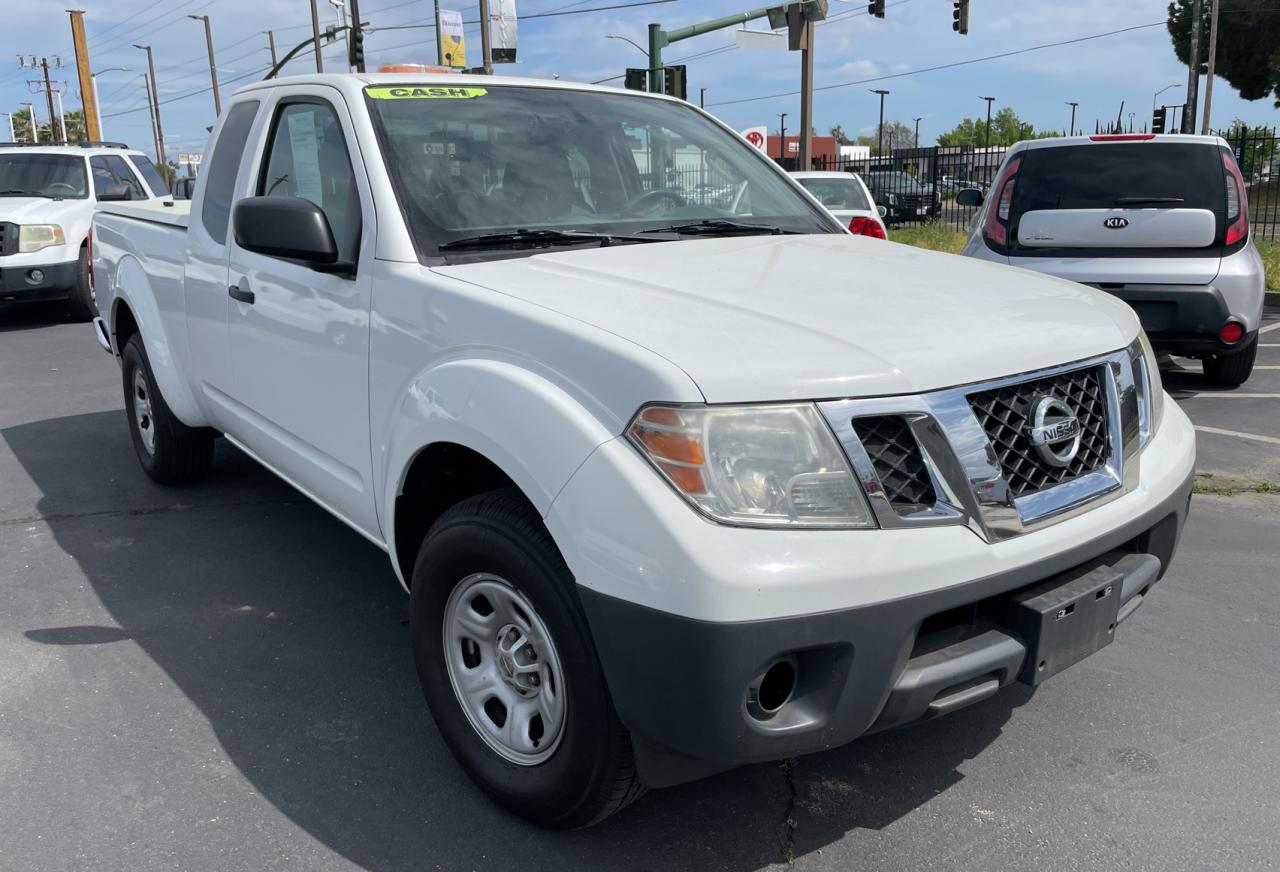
x=837 y=193
x=894 y=181
x=471 y=161
x=43 y=175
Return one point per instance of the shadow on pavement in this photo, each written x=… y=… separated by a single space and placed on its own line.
x=288 y=632
x=24 y=316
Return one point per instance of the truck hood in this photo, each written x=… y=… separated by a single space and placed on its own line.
x=817 y=317
x=38 y=210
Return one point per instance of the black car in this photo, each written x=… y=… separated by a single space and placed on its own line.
x=903 y=196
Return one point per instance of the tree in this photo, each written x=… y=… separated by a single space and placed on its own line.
x=841 y=137
x=22 y=126
x=1248 y=44
x=1006 y=129
x=896 y=136
x=1255 y=147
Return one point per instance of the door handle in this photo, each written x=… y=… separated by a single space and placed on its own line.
x=243 y=296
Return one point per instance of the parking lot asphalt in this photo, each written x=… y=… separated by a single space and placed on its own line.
x=219 y=678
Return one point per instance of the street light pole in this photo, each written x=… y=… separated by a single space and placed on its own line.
x=918 y=120
x=155 y=103
x=880 y=126
x=35 y=130
x=93 y=78
x=987 y=141
x=702 y=98
x=315 y=35
x=213 y=69
x=486 y=48
x=1211 y=69
x=782 y=135
x=1161 y=91
x=1071 y=131
x=9 y=116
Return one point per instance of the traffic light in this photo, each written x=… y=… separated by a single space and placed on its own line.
x=675 y=82
x=355 y=49
x=636 y=80
x=960 y=16
x=876 y=8
x=1157 y=120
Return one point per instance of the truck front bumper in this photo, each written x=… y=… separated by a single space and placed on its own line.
x=34 y=282
x=876 y=628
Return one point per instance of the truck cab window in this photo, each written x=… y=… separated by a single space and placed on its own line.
x=215 y=212
x=307 y=157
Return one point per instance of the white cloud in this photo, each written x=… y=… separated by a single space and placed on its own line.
x=858 y=68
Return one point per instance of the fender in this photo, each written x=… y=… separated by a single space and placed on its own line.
x=130 y=285
x=530 y=428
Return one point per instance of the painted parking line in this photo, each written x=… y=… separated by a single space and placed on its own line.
x=1270 y=327
x=1269 y=344
x=1229 y=396
x=1252 y=437
x=1266 y=367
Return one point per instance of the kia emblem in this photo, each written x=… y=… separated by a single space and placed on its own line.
x=1116 y=223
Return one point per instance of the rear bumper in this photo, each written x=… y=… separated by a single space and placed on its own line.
x=688 y=689
x=1182 y=319
x=18 y=285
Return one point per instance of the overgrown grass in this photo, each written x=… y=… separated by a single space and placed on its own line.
x=1270 y=252
x=933 y=235
x=1229 y=486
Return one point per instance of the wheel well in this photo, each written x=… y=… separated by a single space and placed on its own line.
x=442 y=475
x=123 y=325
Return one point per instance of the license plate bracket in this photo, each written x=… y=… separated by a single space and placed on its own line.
x=1064 y=620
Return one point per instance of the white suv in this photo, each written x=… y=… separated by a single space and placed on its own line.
x=1162 y=222
x=47 y=196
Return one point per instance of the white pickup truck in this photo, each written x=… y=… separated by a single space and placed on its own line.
x=678 y=473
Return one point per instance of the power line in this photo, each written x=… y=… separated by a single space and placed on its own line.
x=563 y=11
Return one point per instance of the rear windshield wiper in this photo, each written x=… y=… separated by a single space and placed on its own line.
x=536 y=238
x=713 y=226
x=1156 y=201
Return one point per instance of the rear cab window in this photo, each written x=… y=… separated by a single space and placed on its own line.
x=1126 y=175
x=149 y=174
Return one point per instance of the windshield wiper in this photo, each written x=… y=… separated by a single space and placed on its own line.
x=536 y=238
x=1134 y=201
x=714 y=226
x=24 y=194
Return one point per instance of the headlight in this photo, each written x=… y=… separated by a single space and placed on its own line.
x=33 y=237
x=766 y=466
x=1146 y=370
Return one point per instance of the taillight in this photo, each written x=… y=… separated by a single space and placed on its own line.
x=995 y=228
x=89 y=252
x=1231 y=332
x=863 y=226
x=1237 y=203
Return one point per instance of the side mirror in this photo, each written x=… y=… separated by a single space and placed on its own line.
x=969 y=197
x=118 y=191
x=289 y=227
x=882 y=210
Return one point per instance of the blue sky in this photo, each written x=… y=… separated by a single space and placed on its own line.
x=851 y=47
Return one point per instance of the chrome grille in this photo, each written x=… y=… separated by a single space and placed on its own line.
x=1004 y=414
x=898 y=462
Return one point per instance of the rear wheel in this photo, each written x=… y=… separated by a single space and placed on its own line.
x=509 y=669
x=80 y=299
x=1231 y=370
x=170 y=452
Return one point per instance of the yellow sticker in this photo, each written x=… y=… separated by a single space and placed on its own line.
x=425 y=92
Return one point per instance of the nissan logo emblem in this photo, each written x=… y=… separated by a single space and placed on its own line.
x=1055 y=431
x=1116 y=223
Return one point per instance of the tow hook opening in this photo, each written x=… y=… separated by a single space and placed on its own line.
x=773 y=688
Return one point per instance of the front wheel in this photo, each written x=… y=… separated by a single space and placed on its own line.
x=80 y=299
x=1231 y=370
x=509 y=669
x=170 y=452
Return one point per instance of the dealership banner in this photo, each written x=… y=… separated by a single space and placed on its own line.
x=453 y=47
x=502 y=30
x=757 y=136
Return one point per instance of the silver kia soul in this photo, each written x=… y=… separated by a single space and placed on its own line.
x=1160 y=221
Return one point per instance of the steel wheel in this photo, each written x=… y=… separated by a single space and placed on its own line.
x=142 y=411
x=504 y=669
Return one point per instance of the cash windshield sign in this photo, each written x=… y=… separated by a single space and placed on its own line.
x=425 y=92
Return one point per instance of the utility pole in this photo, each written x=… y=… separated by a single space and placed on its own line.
x=88 y=85
x=271 y=44
x=880 y=126
x=702 y=98
x=1193 y=70
x=439 y=44
x=1213 y=60
x=45 y=85
x=151 y=112
x=213 y=69
x=806 y=92
x=987 y=140
x=1071 y=131
x=155 y=112
x=782 y=135
x=486 y=50
x=918 y=120
x=315 y=36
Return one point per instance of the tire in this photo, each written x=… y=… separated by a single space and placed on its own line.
x=1231 y=370
x=577 y=773
x=170 y=452
x=80 y=299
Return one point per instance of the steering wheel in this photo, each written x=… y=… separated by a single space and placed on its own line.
x=648 y=201
x=70 y=187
